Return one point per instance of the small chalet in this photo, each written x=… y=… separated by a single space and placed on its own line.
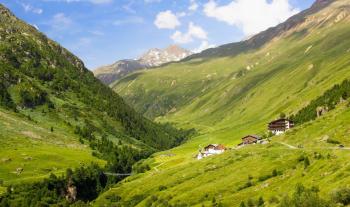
x=212 y=149
x=280 y=126
x=250 y=139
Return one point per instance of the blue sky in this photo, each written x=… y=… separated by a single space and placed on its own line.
x=103 y=31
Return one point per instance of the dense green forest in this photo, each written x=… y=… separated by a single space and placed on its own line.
x=324 y=103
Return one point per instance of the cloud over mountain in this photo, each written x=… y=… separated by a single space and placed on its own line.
x=166 y=20
x=193 y=32
x=252 y=16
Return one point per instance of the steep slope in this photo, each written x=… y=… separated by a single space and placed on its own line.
x=109 y=74
x=251 y=87
x=262 y=38
x=152 y=58
x=52 y=109
x=230 y=96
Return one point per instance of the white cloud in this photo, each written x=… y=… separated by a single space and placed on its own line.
x=166 y=20
x=193 y=5
x=129 y=20
x=252 y=16
x=181 y=38
x=194 y=32
x=203 y=46
x=30 y=8
x=60 y=21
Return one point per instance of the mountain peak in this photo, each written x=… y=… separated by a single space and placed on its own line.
x=152 y=58
x=156 y=57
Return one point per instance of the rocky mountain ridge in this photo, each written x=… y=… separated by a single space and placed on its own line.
x=152 y=58
x=156 y=57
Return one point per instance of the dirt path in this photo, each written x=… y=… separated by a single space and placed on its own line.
x=156 y=167
x=327 y=148
x=288 y=145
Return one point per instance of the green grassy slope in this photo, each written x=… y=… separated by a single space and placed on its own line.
x=52 y=109
x=32 y=147
x=224 y=176
x=252 y=87
x=227 y=98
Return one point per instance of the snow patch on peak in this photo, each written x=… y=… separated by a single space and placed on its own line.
x=156 y=57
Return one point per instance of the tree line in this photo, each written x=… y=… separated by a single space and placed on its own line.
x=327 y=101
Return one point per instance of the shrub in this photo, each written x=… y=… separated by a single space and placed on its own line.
x=273 y=199
x=5 y=98
x=332 y=141
x=306 y=162
x=261 y=201
x=248 y=184
x=304 y=197
x=250 y=203
x=242 y=204
x=114 y=198
x=140 y=167
x=282 y=115
x=318 y=156
x=162 y=187
x=266 y=177
x=341 y=196
x=31 y=97
x=301 y=158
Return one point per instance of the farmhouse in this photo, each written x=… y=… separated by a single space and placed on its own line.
x=212 y=149
x=250 y=139
x=280 y=126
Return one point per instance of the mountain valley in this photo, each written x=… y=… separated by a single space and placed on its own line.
x=129 y=134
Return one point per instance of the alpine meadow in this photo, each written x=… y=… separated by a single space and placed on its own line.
x=260 y=122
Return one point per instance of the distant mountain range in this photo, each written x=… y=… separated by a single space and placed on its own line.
x=152 y=58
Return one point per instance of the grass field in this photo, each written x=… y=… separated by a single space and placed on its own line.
x=32 y=148
x=180 y=178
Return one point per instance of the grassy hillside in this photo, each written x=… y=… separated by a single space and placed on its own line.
x=225 y=177
x=228 y=97
x=54 y=115
x=252 y=87
x=32 y=147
